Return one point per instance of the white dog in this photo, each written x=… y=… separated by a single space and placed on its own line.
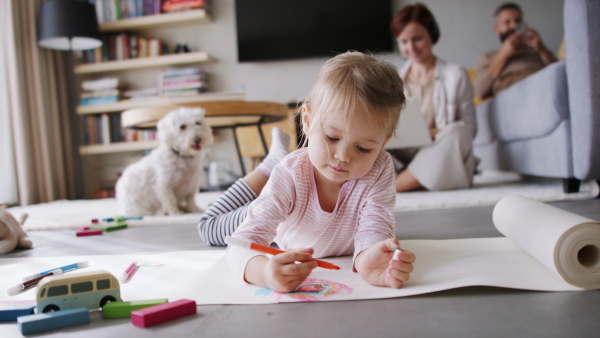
x=166 y=180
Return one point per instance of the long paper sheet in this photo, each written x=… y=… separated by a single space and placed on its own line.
x=204 y=276
x=540 y=239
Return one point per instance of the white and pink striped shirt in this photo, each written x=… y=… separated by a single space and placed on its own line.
x=288 y=211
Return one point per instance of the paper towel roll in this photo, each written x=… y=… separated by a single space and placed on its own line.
x=566 y=243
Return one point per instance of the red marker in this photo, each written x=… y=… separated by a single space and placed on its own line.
x=272 y=251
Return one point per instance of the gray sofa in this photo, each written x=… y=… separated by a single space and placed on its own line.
x=548 y=124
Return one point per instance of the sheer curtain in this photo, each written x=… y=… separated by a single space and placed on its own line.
x=35 y=110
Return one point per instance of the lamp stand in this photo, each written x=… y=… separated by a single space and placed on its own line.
x=74 y=122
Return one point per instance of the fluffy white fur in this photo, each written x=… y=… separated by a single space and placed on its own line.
x=166 y=180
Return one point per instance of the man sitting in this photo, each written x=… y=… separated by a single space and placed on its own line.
x=522 y=53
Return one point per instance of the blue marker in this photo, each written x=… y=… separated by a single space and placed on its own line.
x=65 y=268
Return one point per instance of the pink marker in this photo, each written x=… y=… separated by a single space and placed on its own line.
x=163 y=312
x=81 y=233
x=129 y=272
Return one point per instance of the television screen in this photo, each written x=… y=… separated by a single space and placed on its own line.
x=278 y=29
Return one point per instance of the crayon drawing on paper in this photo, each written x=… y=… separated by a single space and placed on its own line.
x=312 y=290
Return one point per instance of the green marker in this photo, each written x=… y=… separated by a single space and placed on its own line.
x=123 y=309
x=116 y=227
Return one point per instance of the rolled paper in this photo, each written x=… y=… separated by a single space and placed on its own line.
x=566 y=243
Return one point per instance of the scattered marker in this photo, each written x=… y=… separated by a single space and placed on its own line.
x=53 y=320
x=124 y=309
x=88 y=233
x=164 y=312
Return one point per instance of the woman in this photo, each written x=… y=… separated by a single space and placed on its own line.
x=446 y=99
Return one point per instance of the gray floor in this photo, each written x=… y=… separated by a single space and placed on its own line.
x=466 y=312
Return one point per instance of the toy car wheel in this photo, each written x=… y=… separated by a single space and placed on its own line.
x=107 y=300
x=51 y=308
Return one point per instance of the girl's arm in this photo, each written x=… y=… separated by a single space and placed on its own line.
x=260 y=226
x=374 y=240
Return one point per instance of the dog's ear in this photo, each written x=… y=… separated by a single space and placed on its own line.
x=165 y=129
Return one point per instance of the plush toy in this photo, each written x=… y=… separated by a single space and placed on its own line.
x=11 y=233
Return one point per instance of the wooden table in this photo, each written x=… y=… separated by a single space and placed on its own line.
x=219 y=114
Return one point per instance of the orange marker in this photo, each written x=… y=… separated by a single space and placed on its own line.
x=272 y=251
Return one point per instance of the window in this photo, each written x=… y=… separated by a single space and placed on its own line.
x=43 y=293
x=59 y=290
x=103 y=284
x=82 y=287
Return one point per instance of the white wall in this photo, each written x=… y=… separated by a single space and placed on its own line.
x=466 y=32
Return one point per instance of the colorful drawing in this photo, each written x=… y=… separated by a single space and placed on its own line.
x=312 y=290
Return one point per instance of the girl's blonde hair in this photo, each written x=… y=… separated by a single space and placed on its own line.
x=351 y=80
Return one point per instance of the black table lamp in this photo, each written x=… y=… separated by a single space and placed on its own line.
x=68 y=25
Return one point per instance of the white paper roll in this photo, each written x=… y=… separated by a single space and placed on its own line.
x=566 y=243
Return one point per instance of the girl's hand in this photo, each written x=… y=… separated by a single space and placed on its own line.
x=377 y=266
x=283 y=274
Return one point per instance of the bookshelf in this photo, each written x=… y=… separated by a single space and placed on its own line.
x=149 y=62
x=196 y=16
x=117 y=147
x=139 y=24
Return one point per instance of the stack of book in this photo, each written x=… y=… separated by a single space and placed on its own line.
x=183 y=82
x=111 y=10
x=141 y=94
x=101 y=91
x=182 y=5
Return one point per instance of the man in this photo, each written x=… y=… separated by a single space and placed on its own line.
x=522 y=53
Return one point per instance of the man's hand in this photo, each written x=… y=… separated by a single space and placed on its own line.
x=512 y=43
x=533 y=40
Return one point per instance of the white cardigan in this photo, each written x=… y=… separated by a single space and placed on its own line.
x=452 y=95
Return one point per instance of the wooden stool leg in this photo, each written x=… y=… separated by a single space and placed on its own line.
x=239 y=153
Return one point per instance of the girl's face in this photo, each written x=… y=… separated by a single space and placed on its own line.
x=343 y=150
x=415 y=43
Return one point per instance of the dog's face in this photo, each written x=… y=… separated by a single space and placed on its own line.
x=185 y=130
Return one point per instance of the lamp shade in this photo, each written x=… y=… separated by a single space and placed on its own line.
x=68 y=25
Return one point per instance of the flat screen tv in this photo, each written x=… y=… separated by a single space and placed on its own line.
x=293 y=29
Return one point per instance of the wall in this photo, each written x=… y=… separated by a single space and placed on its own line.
x=466 y=32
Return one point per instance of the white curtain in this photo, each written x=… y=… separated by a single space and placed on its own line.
x=35 y=133
x=8 y=177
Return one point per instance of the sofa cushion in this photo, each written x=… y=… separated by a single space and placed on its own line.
x=533 y=107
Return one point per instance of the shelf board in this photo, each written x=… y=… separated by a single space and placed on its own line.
x=158 y=101
x=197 y=16
x=117 y=147
x=157 y=61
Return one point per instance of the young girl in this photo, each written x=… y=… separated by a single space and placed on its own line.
x=334 y=197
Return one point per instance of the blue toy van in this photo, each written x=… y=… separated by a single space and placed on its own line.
x=91 y=289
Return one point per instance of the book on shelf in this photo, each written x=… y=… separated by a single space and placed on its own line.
x=183 y=5
x=112 y=10
x=186 y=81
x=106 y=129
x=140 y=94
x=101 y=91
x=124 y=46
x=134 y=135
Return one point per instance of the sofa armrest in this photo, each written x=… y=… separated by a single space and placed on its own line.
x=582 y=40
x=532 y=107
